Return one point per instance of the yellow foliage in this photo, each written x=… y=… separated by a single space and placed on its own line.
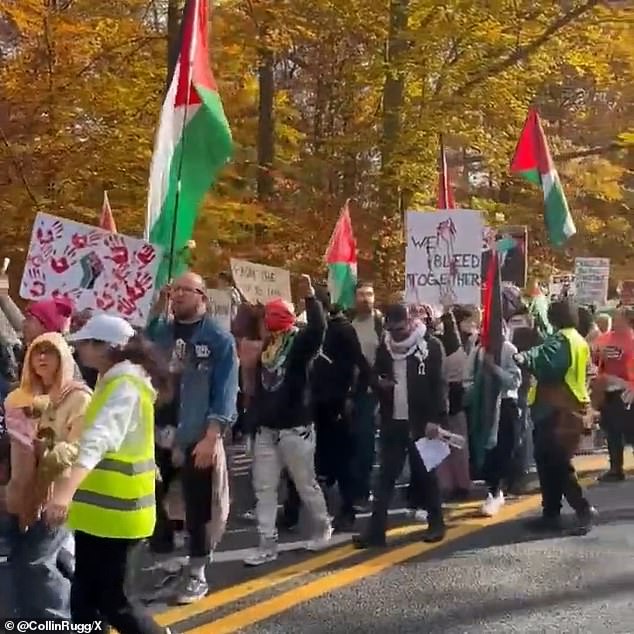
x=82 y=86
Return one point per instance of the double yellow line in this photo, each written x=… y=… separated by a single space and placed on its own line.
x=329 y=582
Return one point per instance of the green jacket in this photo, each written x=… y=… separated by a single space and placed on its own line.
x=548 y=363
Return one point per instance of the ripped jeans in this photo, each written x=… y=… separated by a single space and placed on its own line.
x=40 y=564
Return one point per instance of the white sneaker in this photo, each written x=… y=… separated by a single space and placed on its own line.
x=492 y=505
x=321 y=541
x=417 y=515
x=264 y=554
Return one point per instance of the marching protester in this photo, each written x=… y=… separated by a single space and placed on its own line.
x=505 y=427
x=107 y=497
x=45 y=420
x=453 y=472
x=561 y=403
x=280 y=417
x=614 y=356
x=339 y=367
x=368 y=324
x=204 y=365
x=413 y=401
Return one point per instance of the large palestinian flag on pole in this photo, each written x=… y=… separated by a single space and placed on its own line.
x=341 y=258
x=533 y=162
x=193 y=143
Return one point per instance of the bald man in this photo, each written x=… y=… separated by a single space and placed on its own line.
x=204 y=363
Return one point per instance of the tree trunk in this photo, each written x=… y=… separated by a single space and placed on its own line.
x=389 y=191
x=174 y=13
x=266 y=131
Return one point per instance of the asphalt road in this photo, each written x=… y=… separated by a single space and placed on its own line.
x=489 y=576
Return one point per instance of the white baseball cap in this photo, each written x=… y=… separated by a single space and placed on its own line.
x=107 y=328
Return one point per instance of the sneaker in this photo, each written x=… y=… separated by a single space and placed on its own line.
x=321 y=541
x=248 y=516
x=265 y=553
x=195 y=590
x=585 y=521
x=493 y=504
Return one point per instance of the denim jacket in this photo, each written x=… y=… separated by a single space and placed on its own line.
x=209 y=381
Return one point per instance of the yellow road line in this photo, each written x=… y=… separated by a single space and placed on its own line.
x=283 y=602
x=277 y=577
x=301 y=568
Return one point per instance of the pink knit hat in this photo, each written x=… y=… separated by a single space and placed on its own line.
x=53 y=314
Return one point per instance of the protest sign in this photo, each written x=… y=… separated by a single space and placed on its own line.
x=591 y=280
x=561 y=284
x=627 y=292
x=511 y=243
x=443 y=257
x=94 y=268
x=259 y=282
x=220 y=306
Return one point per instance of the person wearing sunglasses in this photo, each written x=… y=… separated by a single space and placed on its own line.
x=204 y=366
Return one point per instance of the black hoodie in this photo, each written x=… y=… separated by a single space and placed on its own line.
x=333 y=371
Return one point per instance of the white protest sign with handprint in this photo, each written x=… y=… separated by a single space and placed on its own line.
x=94 y=268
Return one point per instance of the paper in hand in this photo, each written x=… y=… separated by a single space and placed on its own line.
x=432 y=451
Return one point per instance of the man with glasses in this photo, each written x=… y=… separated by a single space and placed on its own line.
x=204 y=363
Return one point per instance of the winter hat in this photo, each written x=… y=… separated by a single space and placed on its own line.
x=53 y=314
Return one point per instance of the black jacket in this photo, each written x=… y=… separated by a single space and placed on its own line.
x=287 y=406
x=333 y=371
x=427 y=393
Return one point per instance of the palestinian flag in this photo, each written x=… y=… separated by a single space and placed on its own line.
x=193 y=143
x=534 y=163
x=485 y=406
x=106 y=221
x=341 y=258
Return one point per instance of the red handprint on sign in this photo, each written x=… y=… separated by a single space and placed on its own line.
x=126 y=306
x=118 y=250
x=81 y=241
x=63 y=263
x=69 y=295
x=106 y=300
x=36 y=282
x=48 y=236
x=140 y=286
x=146 y=254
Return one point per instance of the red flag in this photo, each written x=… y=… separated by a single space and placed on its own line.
x=445 y=192
x=491 y=332
x=106 y=221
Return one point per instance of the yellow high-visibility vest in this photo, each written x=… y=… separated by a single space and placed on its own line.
x=117 y=498
x=577 y=375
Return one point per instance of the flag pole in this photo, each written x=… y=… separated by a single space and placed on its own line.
x=443 y=170
x=192 y=48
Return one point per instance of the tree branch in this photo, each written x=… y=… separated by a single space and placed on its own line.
x=523 y=52
x=18 y=167
x=615 y=146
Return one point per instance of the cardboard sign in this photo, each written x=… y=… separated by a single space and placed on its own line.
x=220 y=306
x=591 y=280
x=561 y=284
x=259 y=282
x=96 y=269
x=443 y=257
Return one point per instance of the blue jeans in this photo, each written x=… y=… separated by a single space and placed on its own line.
x=38 y=564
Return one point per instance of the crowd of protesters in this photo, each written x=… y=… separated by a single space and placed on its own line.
x=99 y=420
